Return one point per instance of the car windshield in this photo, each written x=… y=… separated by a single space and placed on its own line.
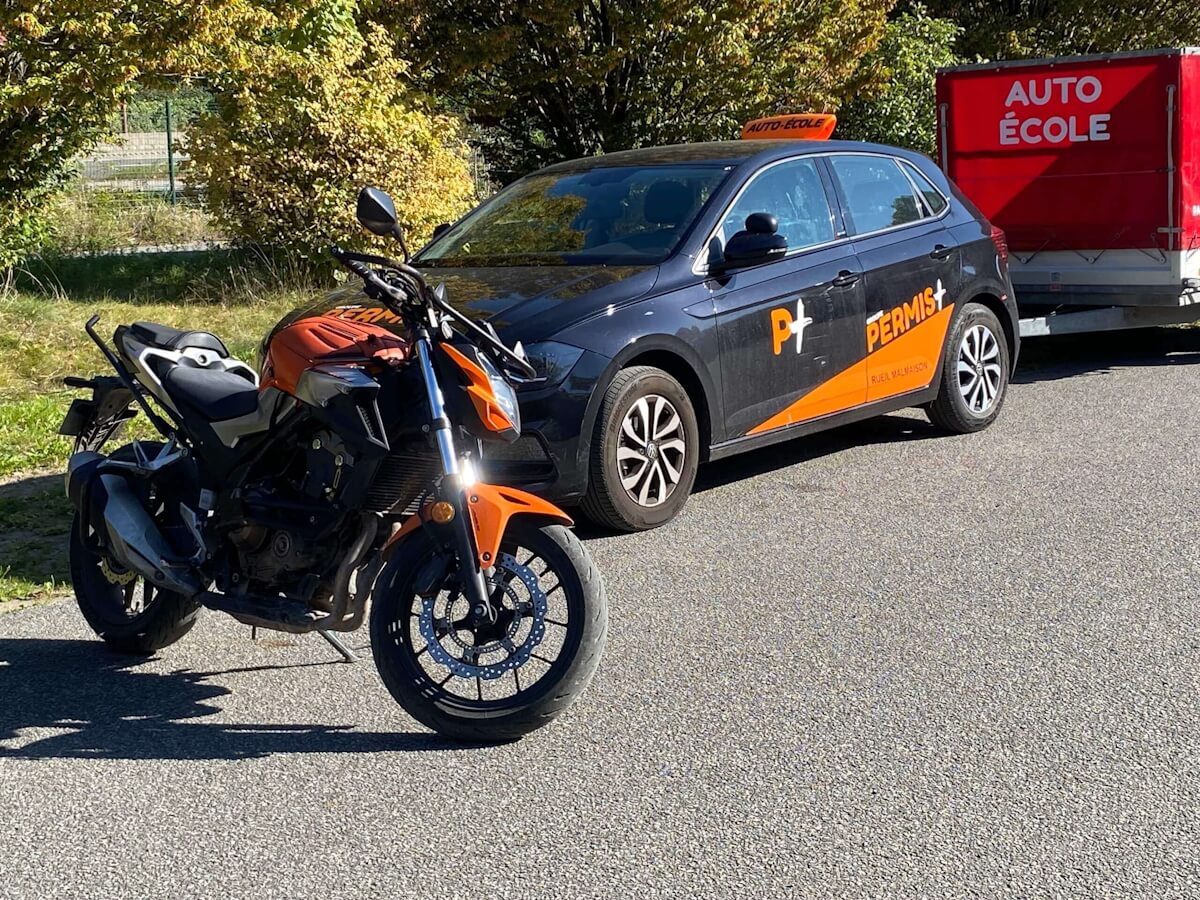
x=609 y=215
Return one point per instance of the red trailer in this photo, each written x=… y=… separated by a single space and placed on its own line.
x=1091 y=165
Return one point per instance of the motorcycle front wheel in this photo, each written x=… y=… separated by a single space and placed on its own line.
x=503 y=680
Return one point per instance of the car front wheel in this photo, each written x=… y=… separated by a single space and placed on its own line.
x=644 y=453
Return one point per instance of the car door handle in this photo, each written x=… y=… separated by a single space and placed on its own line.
x=846 y=278
x=941 y=251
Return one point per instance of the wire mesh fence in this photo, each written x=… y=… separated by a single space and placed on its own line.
x=133 y=191
x=142 y=164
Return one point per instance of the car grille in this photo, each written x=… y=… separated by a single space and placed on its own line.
x=524 y=461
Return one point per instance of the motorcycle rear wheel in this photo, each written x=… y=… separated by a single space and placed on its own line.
x=108 y=596
x=545 y=580
x=112 y=609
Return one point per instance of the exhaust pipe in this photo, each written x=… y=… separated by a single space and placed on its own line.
x=135 y=541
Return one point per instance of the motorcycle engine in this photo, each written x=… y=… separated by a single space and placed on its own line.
x=271 y=555
x=327 y=463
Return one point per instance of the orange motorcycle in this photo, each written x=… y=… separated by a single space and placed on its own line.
x=343 y=471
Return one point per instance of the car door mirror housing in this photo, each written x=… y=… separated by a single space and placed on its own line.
x=758 y=243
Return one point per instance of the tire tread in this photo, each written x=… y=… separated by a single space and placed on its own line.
x=598 y=504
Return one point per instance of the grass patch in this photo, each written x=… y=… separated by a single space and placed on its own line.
x=216 y=276
x=42 y=338
x=98 y=221
x=41 y=320
x=46 y=512
x=34 y=531
x=29 y=438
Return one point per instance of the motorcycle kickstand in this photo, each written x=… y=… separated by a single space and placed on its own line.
x=336 y=643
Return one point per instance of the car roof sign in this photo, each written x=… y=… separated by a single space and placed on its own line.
x=804 y=126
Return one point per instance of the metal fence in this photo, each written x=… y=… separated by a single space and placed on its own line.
x=142 y=164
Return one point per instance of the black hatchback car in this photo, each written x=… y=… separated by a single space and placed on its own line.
x=685 y=303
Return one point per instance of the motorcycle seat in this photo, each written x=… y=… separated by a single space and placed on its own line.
x=168 y=338
x=214 y=394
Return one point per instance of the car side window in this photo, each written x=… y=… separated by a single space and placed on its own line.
x=877 y=194
x=934 y=199
x=791 y=191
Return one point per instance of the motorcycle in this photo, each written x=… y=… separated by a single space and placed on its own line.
x=344 y=470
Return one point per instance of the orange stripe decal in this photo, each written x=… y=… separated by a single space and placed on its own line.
x=906 y=363
x=843 y=391
x=909 y=362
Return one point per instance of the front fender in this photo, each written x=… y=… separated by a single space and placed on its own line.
x=490 y=506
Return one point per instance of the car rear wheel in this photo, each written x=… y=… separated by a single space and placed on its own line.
x=975 y=372
x=644 y=453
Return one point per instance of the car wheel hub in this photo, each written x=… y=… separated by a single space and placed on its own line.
x=979 y=372
x=651 y=450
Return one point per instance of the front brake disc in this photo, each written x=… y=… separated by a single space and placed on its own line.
x=468 y=664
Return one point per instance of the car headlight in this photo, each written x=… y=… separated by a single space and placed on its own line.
x=553 y=362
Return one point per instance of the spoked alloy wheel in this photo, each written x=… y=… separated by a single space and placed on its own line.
x=974 y=374
x=979 y=369
x=643 y=453
x=501 y=680
x=651 y=450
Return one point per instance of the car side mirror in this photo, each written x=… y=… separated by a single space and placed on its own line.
x=439 y=230
x=376 y=212
x=760 y=242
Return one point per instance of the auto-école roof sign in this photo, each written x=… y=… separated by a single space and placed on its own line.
x=805 y=126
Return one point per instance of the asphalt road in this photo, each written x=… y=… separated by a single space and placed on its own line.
x=876 y=662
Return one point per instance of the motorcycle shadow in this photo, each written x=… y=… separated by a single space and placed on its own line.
x=64 y=699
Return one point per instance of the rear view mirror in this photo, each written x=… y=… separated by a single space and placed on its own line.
x=376 y=212
x=439 y=230
x=759 y=243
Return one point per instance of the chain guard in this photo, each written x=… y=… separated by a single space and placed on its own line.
x=517 y=655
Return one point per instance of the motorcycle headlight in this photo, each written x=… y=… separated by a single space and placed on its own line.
x=506 y=397
x=553 y=362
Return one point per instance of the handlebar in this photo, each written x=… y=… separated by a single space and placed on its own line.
x=395 y=298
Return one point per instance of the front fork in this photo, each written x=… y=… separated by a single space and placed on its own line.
x=470 y=576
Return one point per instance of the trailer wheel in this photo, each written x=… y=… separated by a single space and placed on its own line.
x=974 y=379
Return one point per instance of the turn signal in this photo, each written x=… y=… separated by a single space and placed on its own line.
x=441 y=512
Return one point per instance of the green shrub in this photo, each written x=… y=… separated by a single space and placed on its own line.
x=65 y=65
x=295 y=138
x=899 y=106
x=24 y=229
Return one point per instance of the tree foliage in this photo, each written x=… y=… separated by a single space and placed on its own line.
x=64 y=65
x=1014 y=29
x=899 y=107
x=561 y=78
x=295 y=82
x=324 y=111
